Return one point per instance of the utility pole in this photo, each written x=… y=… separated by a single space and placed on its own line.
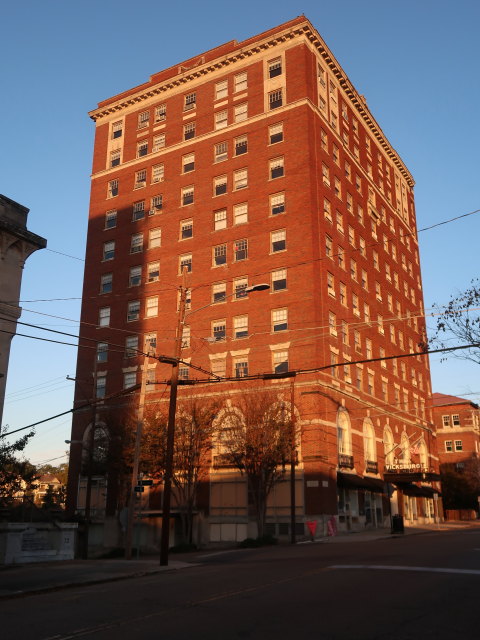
x=293 y=456
x=91 y=446
x=167 y=482
x=136 y=462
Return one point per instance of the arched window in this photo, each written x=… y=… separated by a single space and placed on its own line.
x=405 y=449
x=369 y=444
x=344 y=433
x=389 y=446
x=423 y=454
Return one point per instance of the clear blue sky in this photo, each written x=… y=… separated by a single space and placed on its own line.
x=415 y=61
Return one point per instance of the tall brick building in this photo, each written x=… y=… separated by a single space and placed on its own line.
x=258 y=161
x=457 y=423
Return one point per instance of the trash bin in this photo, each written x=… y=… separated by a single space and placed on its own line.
x=397 y=524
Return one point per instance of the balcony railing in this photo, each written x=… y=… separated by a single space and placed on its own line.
x=371 y=466
x=345 y=461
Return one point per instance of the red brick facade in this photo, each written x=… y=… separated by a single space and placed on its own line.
x=457 y=423
x=287 y=179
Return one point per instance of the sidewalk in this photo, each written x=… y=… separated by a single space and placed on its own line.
x=20 y=580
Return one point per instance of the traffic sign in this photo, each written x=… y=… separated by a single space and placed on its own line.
x=139 y=489
x=145 y=483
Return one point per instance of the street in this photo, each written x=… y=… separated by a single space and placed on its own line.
x=421 y=586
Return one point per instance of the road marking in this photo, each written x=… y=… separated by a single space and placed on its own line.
x=387 y=567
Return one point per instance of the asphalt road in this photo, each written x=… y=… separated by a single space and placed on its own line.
x=424 y=586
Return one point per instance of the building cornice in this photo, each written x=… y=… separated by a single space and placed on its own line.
x=199 y=68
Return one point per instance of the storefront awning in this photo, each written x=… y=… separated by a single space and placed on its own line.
x=414 y=490
x=352 y=481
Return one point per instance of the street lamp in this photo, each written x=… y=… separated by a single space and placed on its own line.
x=167 y=483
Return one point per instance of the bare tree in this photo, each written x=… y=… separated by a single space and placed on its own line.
x=256 y=437
x=459 y=324
x=194 y=430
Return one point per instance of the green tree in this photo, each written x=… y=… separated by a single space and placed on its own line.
x=17 y=476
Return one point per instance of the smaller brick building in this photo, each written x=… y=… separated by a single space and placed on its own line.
x=457 y=422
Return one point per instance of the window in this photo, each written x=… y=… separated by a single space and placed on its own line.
x=101 y=386
x=323 y=140
x=349 y=202
x=106 y=283
x=275 y=133
x=113 y=188
x=448 y=446
x=279 y=320
x=143 y=119
x=186 y=229
x=136 y=243
x=355 y=305
x=104 y=317
x=219 y=255
x=366 y=312
x=326 y=174
x=140 y=179
x=331 y=284
x=380 y=325
x=240 y=112
x=183 y=372
x=240 y=179
x=160 y=113
x=190 y=101
x=142 y=148
x=158 y=173
x=362 y=247
x=151 y=307
x=115 y=158
x=241 y=145
x=131 y=346
x=240 y=250
x=135 y=276
x=240 y=213
x=337 y=188
x=327 y=212
x=277 y=204
x=278 y=241
x=275 y=68
x=219 y=330
x=153 y=271
x=157 y=205
x=240 y=367
x=220 y=185
x=343 y=294
x=218 y=367
x=110 y=219
x=187 y=195
x=328 y=246
x=239 y=286
x=279 y=280
x=335 y=154
x=109 y=250
x=353 y=270
x=456 y=420
x=219 y=292
x=344 y=332
x=138 y=210
x=220 y=219
x=221 y=120
x=117 y=129
x=368 y=349
x=240 y=327
x=133 y=310
x=351 y=235
x=185 y=261
x=220 y=151
x=189 y=130
x=280 y=361
x=446 y=421
x=458 y=445
x=158 y=142
x=154 y=238
x=150 y=342
x=275 y=99
x=341 y=257
x=332 y=323
x=188 y=162
x=357 y=341
x=129 y=379
x=378 y=291
x=221 y=89
x=240 y=82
